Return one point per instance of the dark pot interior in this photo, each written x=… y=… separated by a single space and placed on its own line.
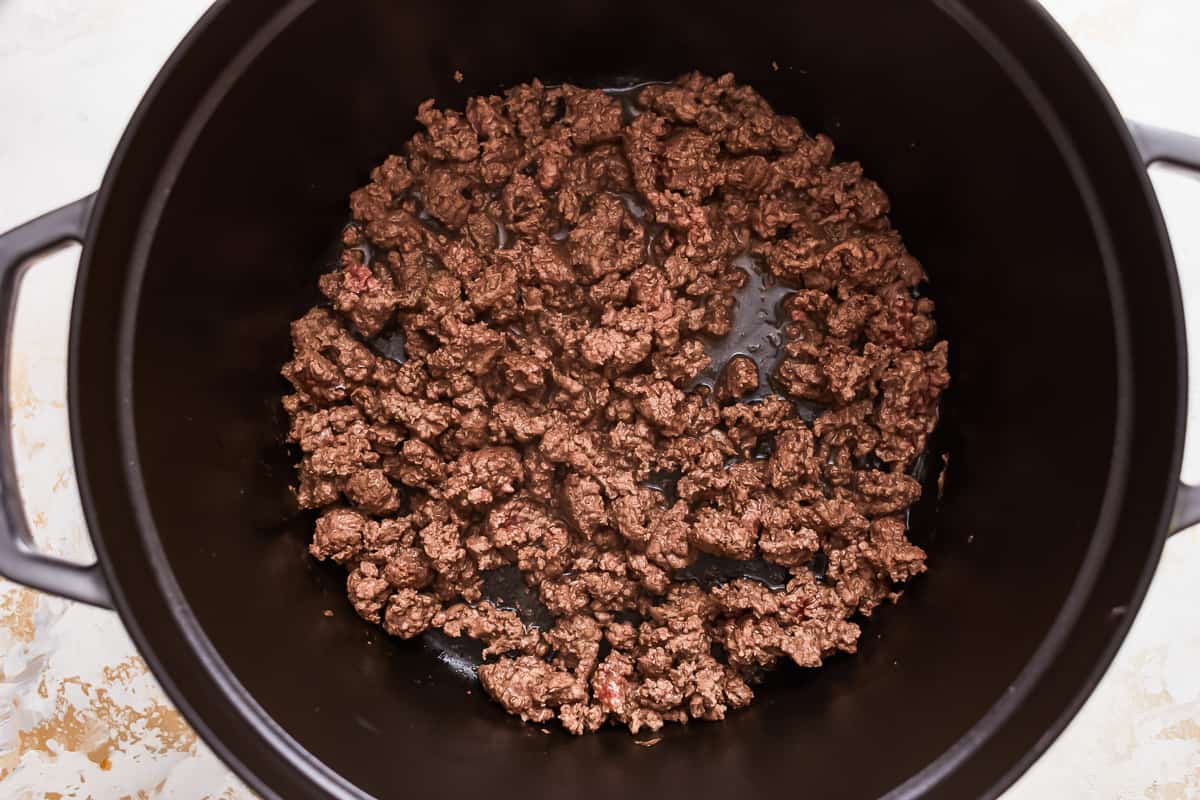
x=984 y=195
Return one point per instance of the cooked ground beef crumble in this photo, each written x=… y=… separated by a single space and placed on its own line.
x=558 y=262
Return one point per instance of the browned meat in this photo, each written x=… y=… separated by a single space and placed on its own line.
x=555 y=267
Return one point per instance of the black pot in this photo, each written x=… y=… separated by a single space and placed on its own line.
x=1013 y=179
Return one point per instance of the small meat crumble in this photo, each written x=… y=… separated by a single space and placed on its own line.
x=557 y=262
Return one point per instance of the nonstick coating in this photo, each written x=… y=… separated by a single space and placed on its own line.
x=1012 y=180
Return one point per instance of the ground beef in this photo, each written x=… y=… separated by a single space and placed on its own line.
x=557 y=263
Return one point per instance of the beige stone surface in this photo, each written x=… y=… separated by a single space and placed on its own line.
x=80 y=717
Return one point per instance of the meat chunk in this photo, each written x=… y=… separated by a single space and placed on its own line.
x=738 y=378
x=529 y=687
x=481 y=477
x=409 y=613
x=339 y=535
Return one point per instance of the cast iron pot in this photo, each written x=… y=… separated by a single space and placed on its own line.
x=1012 y=178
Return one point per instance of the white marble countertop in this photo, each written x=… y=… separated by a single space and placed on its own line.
x=80 y=717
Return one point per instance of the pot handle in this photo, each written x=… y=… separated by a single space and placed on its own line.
x=1170 y=147
x=19 y=560
x=1180 y=150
